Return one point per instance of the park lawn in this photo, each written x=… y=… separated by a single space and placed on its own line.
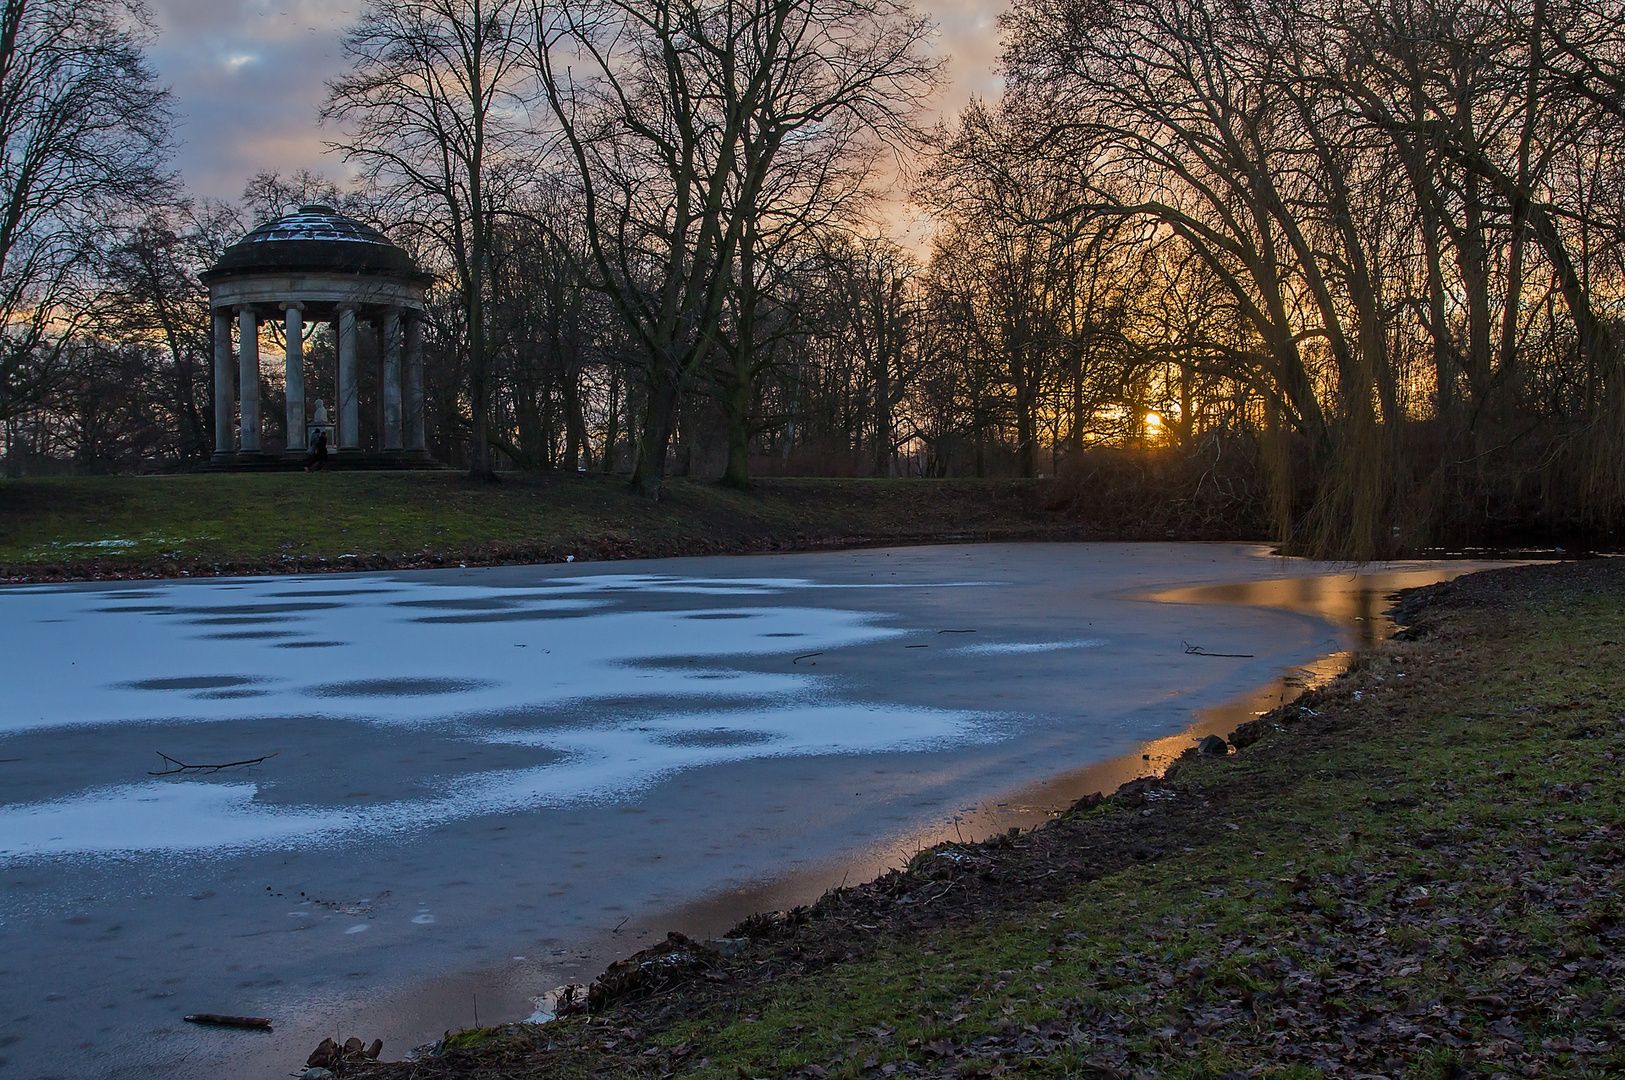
x=259 y=522
x=1415 y=872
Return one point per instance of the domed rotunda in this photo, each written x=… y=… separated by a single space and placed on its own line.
x=316 y=265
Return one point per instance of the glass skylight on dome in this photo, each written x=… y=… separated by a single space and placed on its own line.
x=316 y=222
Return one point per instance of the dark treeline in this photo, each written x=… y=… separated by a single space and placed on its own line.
x=1359 y=257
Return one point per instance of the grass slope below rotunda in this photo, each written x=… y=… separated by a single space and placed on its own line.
x=1414 y=872
x=75 y=528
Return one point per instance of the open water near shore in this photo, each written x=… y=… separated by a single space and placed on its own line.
x=470 y=786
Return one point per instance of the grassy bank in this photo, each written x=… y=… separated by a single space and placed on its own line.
x=78 y=527
x=1414 y=872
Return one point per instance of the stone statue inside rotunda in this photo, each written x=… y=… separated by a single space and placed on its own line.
x=320 y=421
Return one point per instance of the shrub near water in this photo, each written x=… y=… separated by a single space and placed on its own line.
x=1216 y=491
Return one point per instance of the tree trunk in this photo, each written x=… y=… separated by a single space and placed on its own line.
x=1026 y=433
x=659 y=418
x=479 y=392
x=883 y=420
x=612 y=421
x=1187 y=406
x=575 y=425
x=736 y=403
x=528 y=418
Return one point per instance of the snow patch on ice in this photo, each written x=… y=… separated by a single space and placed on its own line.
x=579 y=646
x=1016 y=648
x=599 y=764
x=157 y=816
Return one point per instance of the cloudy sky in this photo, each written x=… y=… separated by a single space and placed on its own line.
x=249 y=75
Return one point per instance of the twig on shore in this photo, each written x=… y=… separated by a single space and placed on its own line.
x=183 y=767
x=804 y=656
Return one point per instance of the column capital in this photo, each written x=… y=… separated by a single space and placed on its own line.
x=292 y=305
x=243 y=309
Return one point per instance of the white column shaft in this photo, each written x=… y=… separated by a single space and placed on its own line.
x=349 y=385
x=225 y=387
x=248 y=380
x=392 y=379
x=295 y=327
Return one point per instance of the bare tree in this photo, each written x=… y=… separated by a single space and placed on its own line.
x=676 y=125
x=83 y=139
x=151 y=293
x=1370 y=183
x=874 y=305
x=1006 y=259
x=433 y=112
x=269 y=195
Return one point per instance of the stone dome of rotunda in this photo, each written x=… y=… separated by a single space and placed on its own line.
x=314 y=239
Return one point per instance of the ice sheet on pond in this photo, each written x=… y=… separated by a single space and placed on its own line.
x=492 y=665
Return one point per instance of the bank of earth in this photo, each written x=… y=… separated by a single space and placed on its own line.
x=86 y=528
x=1412 y=872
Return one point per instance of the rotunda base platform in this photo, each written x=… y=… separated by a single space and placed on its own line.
x=345 y=460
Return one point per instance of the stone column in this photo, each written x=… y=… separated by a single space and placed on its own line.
x=295 y=328
x=248 y=380
x=349 y=384
x=414 y=382
x=391 y=390
x=224 y=387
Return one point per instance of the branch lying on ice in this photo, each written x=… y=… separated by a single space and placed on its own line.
x=1197 y=650
x=176 y=766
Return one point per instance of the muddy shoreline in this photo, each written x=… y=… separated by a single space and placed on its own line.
x=1036 y=805
x=1383 y=930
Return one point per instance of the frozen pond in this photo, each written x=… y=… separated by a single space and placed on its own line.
x=489 y=782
